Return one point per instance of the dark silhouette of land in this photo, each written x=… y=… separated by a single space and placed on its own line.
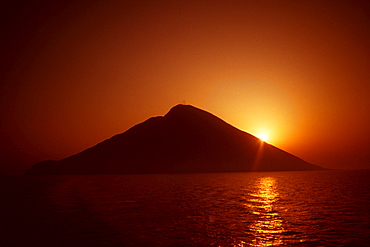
x=185 y=140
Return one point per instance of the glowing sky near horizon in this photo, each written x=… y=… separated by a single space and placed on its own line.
x=77 y=72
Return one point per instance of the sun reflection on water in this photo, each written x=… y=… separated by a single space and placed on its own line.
x=268 y=228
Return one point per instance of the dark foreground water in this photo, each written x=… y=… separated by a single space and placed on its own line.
x=322 y=208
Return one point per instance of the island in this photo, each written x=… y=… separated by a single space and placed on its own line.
x=185 y=140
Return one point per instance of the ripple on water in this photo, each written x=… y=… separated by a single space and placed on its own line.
x=244 y=209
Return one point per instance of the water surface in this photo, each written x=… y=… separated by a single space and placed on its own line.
x=320 y=208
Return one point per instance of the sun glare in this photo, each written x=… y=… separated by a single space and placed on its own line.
x=263 y=136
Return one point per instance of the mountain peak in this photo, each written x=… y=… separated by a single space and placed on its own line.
x=181 y=109
x=190 y=113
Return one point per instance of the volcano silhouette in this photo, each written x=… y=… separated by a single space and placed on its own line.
x=185 y=140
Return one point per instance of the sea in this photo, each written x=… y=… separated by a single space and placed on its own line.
x=310 y=208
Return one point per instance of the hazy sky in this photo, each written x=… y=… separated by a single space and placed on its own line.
x=74 y=73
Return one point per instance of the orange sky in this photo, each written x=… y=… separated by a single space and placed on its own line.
x=76 y=73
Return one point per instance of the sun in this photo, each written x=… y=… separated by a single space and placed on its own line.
x=263 y=136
